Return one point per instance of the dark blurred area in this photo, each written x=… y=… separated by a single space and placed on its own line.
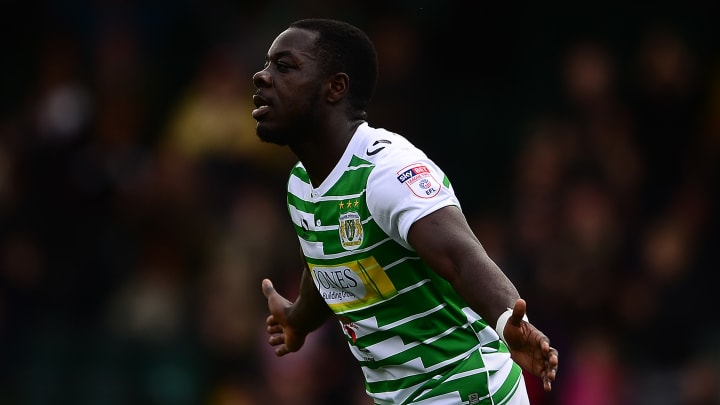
x=139 y=212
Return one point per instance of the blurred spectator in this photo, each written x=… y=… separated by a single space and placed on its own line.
x=63 y=98
x=212 y=120
x=667 y=100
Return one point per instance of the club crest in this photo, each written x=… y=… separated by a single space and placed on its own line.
x=351 y=230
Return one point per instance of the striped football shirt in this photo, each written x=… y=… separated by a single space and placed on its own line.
x=416 y=340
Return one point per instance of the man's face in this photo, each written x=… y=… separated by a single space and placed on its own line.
x=288 y=87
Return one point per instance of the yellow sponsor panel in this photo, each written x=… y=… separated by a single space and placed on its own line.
x=352 y=285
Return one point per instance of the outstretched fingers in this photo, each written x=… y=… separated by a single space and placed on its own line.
x=274 y=321
x=551 y=366
x=273 y=326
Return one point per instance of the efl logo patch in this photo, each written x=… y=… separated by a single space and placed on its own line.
x=419 y=180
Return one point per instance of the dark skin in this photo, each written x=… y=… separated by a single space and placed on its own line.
x=309 y=112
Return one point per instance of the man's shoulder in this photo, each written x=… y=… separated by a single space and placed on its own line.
x=377 y=144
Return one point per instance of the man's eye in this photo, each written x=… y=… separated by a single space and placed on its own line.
x=283 y=67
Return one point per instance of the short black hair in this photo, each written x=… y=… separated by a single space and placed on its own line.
x=344 y=47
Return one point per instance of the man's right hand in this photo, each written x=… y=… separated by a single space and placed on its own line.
x=283 y=336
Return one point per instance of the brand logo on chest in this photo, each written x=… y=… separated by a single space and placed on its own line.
x=352 y=285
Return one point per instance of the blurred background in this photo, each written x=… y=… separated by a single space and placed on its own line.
x=138 y=211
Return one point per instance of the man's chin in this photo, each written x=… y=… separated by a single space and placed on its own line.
x=268 y=136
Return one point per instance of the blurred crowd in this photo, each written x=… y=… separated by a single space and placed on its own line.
x=139 y=212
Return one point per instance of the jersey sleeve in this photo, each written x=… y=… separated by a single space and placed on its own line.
x=403 y=190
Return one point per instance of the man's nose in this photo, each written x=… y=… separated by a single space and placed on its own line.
x=262 y=78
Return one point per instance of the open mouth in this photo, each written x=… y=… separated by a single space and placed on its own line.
x=261 y=106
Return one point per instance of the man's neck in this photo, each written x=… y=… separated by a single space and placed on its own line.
x=321 y=153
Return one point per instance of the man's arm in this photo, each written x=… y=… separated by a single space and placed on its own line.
x=446 y=242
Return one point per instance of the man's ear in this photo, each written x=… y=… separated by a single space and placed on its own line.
x=338 y=86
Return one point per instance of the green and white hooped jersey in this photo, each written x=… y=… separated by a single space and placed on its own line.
x=416 y=340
